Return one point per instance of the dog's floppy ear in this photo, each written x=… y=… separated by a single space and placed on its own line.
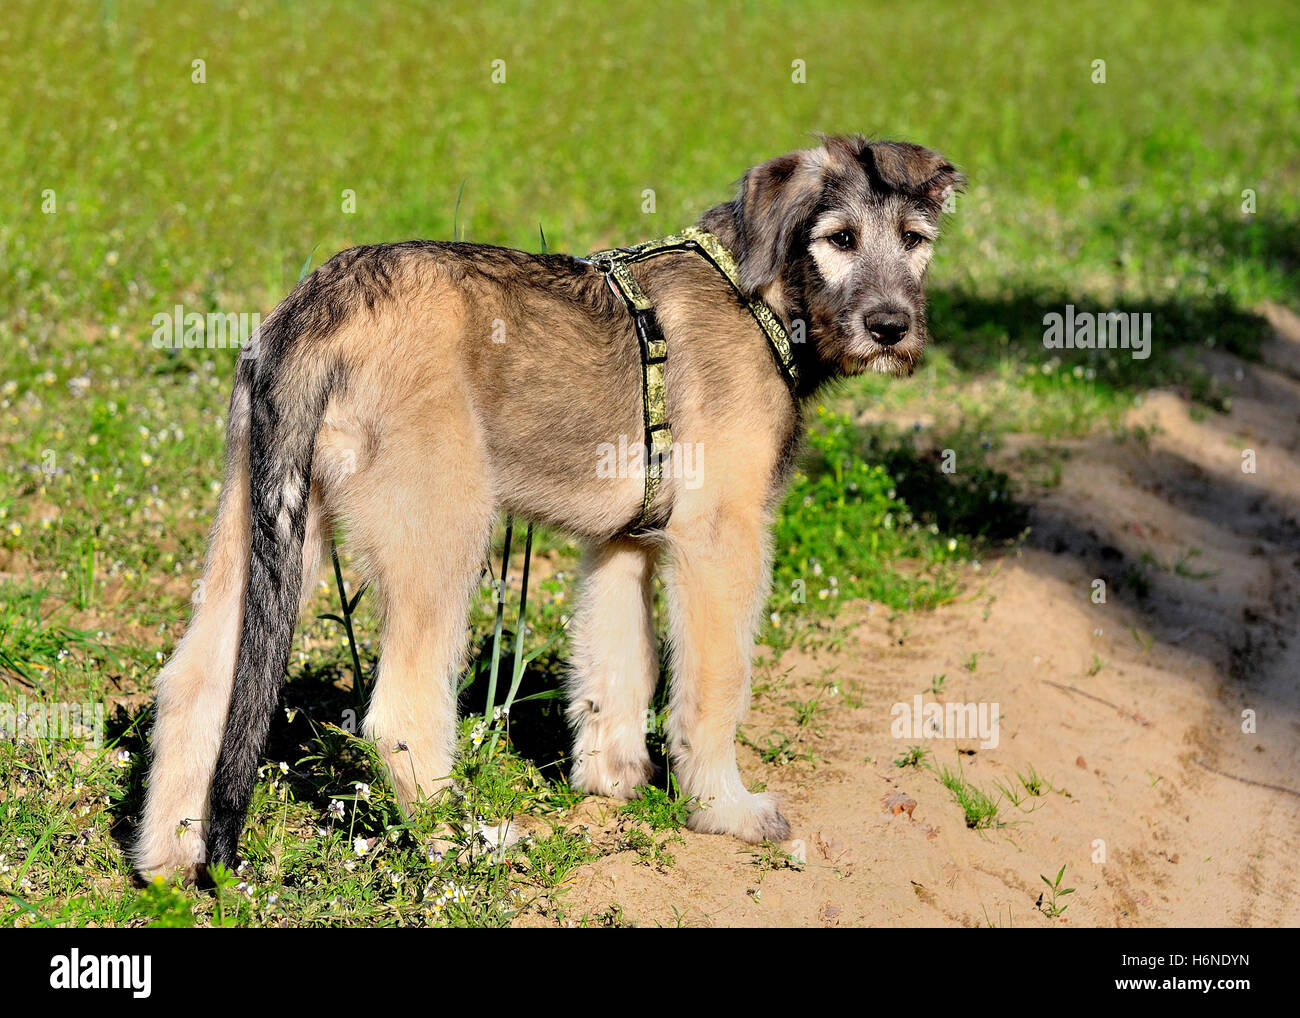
x=775 y=199
x=912 y=170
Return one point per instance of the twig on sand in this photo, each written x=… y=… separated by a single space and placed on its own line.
x=1075 y=689
x=1200 y=763
x=1249 y=781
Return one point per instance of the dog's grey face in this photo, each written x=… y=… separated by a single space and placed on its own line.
x=841 y=236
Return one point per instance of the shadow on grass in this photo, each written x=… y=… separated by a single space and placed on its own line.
x=1222 y=239
x=978 y=503
x=537 y=726
x=979 y=329
x=979 y=333
x=128 y=730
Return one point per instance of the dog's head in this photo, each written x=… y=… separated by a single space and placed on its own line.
x=840 y=236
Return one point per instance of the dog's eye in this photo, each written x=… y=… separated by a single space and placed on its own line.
x=910 y=239
x=842 y=240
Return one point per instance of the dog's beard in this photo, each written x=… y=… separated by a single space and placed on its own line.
x=900 y=360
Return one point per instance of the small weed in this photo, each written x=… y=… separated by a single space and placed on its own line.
x=1134 y=579
x=1183 y=566
x=1052 y=908
x=1013 y=795
x=768 y=857
x=1031 y=784
x=1142 y=638
x=1034 y=783
x=781 y=748
x=914 y=757
x=652 y=853
x=553 y=859
x=167 y=906
x=612 y=918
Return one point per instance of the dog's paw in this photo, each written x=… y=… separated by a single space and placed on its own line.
x=599 y=774
x=753 y=818
x=182 y=859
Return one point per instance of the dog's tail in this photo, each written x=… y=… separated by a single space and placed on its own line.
x=287 y=397
x=194 y=686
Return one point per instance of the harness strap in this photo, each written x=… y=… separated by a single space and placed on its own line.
x=654 y=348
x=654 y=388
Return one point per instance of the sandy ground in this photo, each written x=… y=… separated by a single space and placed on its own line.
x=1163 y=810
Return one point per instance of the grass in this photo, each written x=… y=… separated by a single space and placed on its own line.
x=659 y=809
x=980 y=808
x=32 y=639
x=136 y=188
x=1029 y=784
x=651 y=852
x=327 y=846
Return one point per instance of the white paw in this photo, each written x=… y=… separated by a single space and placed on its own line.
x=172 y=856
x=600 y=774
x=752 y=818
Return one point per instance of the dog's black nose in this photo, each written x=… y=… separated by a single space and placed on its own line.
x=888 y=327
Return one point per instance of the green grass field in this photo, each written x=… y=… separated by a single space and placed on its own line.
x=131 y=187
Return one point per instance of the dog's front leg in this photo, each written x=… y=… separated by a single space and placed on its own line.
x=615 y=665
x=718 y=579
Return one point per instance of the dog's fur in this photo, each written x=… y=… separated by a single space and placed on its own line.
x=376 y=400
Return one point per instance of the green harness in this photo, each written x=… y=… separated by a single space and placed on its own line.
x=654 y=348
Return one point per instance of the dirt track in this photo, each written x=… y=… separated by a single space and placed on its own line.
x=1146 y=754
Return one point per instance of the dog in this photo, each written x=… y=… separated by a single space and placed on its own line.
x=406 y=393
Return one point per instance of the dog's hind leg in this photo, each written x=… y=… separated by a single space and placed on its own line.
x=420 y=516
x=717 y=581
x=614 y=667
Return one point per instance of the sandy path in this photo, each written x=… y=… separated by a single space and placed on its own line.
x=1159 y=809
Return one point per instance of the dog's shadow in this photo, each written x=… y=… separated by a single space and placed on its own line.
x=537 y=727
